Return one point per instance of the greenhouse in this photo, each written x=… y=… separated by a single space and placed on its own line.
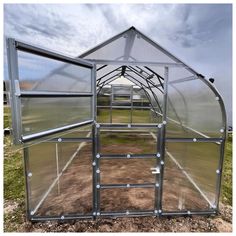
x=126 y=129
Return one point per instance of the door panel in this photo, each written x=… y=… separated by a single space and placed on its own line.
x=50 y=92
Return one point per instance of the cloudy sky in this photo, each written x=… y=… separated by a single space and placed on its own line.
x=199 y=34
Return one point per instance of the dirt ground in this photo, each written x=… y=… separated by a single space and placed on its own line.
x=74 y=195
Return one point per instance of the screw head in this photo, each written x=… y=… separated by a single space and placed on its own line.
x=98 y=155
x=30 y=174
x=159 y=211
x=222 y=130
x=159 y=126
x=94 y=213
x=157 y=185
x=94 y=163
x=32 y=212
x=156 y=211
x=98 y=171
x=158 y=154
x=127 y=212
x=129 y=125
x=98 y=186
x=217 y=98
x=164 y=122
x=217 y=171
x=128 y=185
x=62 y=217
x=128 y=156
x=59 y=140
x=98 y=213
x=162 y=163
x=97 y=125
x=188 y=212
x=194 y=140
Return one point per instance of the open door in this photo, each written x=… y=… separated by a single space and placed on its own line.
x=49 y=92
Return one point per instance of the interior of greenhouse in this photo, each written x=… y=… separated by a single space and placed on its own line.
x=125 y=129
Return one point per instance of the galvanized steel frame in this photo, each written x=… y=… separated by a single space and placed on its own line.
x=161 y=130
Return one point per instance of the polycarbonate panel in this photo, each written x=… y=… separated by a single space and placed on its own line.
x=39 y=73
x=190 y=176
x=42 y=166
x=121 y=115
x=134 y=199
x=142 y=116
x=112 y=51
x=128 y=141
x=127 y=171
x=61 y=179
x=179 y=73
x=194 y=106
x=103 y=115
x=41 y=114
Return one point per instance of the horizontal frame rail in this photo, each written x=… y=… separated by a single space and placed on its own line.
x=190 y=140
x=111 y=186
x=53 y=55
x=53 y=131
x=52 y=94
x=125 y=107
x=136 y=63
x=187 y=212
x=128 y=156
x=64 y=217
x=128 y=213
x=69 y=140
x=143 y=125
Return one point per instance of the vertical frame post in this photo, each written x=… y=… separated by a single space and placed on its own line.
x=162 y=139
x=27 y=182
x=14 y=89
x=131 y=100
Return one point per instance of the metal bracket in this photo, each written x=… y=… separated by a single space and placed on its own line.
x=155 y=170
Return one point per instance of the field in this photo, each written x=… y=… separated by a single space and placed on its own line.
x=14 y=197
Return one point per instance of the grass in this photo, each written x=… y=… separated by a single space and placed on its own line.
x=14 y=180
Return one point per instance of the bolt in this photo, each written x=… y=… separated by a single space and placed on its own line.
x=188 y=212
x=217 y=171
x=98 y=213
x=164 y=122
x=98 y=186
x=94 y=213
x=129 y=125
x=158 y=154
x=127 y=212
x=194 y=140
x=128 y=185
x=162 y=162
x=94 y=163
x=98 y=171
x=128 y=156
x=217 y=98
x=59 y=140
x=159 y=126
x=32 y=212
x=98 y=155
x=97 y=125
x=157 y=185
x=62 y=217
x=156 y=211
x=160 y=211
x=222 y=130
x=30 y=174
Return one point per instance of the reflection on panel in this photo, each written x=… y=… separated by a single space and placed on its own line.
x=135 y=141
x=133 y=199
x=190 y=175
x=43 y=74
x=40 y=114
x=127 y=171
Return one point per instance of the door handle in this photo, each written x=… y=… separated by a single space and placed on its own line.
x=155 y=170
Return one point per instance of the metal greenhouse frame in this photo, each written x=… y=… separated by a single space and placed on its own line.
x=55 y=116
